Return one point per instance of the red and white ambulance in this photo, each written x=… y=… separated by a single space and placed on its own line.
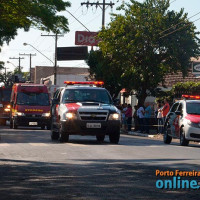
x=30 y=106
x=183 y=121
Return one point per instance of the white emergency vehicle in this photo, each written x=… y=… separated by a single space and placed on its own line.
x=84 y=108
x=183 y=121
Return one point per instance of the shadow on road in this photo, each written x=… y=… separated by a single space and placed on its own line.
x=36 y=135
x=93 y=180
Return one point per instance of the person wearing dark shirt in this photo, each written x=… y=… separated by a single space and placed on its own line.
x=128 y=115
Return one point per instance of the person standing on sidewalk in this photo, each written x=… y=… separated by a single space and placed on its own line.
x=147 y=116
x=135 y=118
x=128 y=115
x=160 y=118
x=124 y=120
x=140 y=114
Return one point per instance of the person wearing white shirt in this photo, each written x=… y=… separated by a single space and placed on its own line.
x=140 y=114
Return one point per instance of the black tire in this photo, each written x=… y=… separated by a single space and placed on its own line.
x=166 y=138
x=114 y=137
x=64 y=137
x=48 y=127
x=183 y=141
x=11 y=123
x=43 y=127
x=100 y=138
x=54 y=135
x=14 y=125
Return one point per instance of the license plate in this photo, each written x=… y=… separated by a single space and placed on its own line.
x=93 y=125
x=33 y=123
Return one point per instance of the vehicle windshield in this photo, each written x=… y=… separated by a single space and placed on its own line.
x=193 y=108
x=5 y=95
x=40 y=99
x=86 y=95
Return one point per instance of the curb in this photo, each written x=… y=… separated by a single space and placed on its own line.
x=139 y=134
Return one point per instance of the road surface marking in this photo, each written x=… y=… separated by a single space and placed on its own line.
x=77 y=145
x=38 y=144
x=4 y=144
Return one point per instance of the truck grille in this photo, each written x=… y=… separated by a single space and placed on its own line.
x=93 y=116
x=33 y=115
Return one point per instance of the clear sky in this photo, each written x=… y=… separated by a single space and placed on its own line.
x=91 y=18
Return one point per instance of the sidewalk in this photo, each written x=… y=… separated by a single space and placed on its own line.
x=152 y=134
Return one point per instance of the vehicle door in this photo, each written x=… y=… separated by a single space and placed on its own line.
x=178 y=119
x=172 y=116
x=55 y=105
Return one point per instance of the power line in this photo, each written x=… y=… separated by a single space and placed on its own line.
x=178 y=29
x=30 y=55
x=19 y=58
x=78 y=20
x=174 y=26
x=172 y=1
x=101 y=5
x=55 y=64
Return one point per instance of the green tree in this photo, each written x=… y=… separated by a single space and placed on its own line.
x=1 y=65
x=41 y=14
x=136 y=44
x=102 y=69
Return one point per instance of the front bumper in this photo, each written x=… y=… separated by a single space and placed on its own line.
x=4 y=115
x=192 y=133
x=24 y=121
x=78 y=127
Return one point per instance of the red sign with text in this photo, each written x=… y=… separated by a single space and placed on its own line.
x=86 y=38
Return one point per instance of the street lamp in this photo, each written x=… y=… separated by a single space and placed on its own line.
x=25 y=44
x=12 y=64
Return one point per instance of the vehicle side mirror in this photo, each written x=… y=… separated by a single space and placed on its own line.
x=178 y=113
x=116 y=102
x=55 y=101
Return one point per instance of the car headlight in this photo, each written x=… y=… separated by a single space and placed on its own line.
x=192 y=124
x=70 y=115
x=19 y=114
x=114 y=116
x=7 y=109
x=46 y=114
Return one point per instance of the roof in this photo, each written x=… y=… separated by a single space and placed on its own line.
x=45 y=71
x=83 y=87
x=171 y=79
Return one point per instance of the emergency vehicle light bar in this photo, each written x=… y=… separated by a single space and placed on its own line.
x=84 y=82
x=190 y=96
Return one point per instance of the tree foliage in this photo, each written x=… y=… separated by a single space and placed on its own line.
x=180 y=88
x=135 y=45
x=41 y=14
x=103 y=69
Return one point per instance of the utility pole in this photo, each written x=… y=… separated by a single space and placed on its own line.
x=102 y=6
x=19 y=58
x=55 y=62
x=30 y=61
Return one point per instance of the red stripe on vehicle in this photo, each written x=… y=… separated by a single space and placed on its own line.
x=72 y=107
x=193 y=118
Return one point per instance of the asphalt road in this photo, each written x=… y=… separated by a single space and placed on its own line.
x=34 y=167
